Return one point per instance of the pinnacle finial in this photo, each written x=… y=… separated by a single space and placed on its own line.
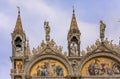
x=28 y=54
x=73 y=10
x=18 y=10
x=27 y=41
x=18 y=27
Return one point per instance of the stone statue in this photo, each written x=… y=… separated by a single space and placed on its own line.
x=88 y=49
x=43 y=44
x=93 y=47
x=34 y=51
x=60 y=49
x=65 y=53
x=47 y=29
x=83 y=53
x=97 y=42
x=106 y=41
x=111 y=45
x=102 y=30
x=52 y=43
x=74 y=66
x=73 y=49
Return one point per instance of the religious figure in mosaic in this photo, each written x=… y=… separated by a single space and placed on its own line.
x=19 y=67
x=103 y=68
x=49 y=69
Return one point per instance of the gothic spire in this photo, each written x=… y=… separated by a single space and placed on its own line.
x=74 y=37
x=73 y=25
x=28 y=54
x=18 y=27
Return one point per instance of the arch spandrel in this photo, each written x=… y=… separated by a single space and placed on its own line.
x=48 y=67
x=103 y=66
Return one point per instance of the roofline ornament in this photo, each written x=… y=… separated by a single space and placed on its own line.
x=47 y=30
x=18 y=10
x=102 y=30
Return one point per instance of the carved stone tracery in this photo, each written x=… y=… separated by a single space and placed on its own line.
x=51 y=45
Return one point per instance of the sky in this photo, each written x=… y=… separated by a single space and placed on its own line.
x=58 y=13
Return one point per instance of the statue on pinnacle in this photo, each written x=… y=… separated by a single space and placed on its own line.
x=102 y=30
x=47 y=30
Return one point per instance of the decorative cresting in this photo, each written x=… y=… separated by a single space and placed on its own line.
x=106 y=45
x=101 y=66
x=48 y=67
x=50 y=47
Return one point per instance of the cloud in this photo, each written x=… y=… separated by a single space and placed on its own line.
x=5 y=70
x=6 y=25
x=39 y=8
x=4 y=21
x=5 y=48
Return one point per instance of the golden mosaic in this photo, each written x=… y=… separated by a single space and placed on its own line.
x=48 y=67
x=101 y=66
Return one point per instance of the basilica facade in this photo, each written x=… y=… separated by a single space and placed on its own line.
x=100 y=60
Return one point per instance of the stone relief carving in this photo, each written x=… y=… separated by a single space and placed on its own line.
x=88 y=49
x=65 y=53
x=44 y=46
x=93 y=47
x=34 y=51
x=106 y=42
x=74 y=65
x=83 y=53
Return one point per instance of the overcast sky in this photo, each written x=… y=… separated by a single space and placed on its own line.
x=59 y=14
